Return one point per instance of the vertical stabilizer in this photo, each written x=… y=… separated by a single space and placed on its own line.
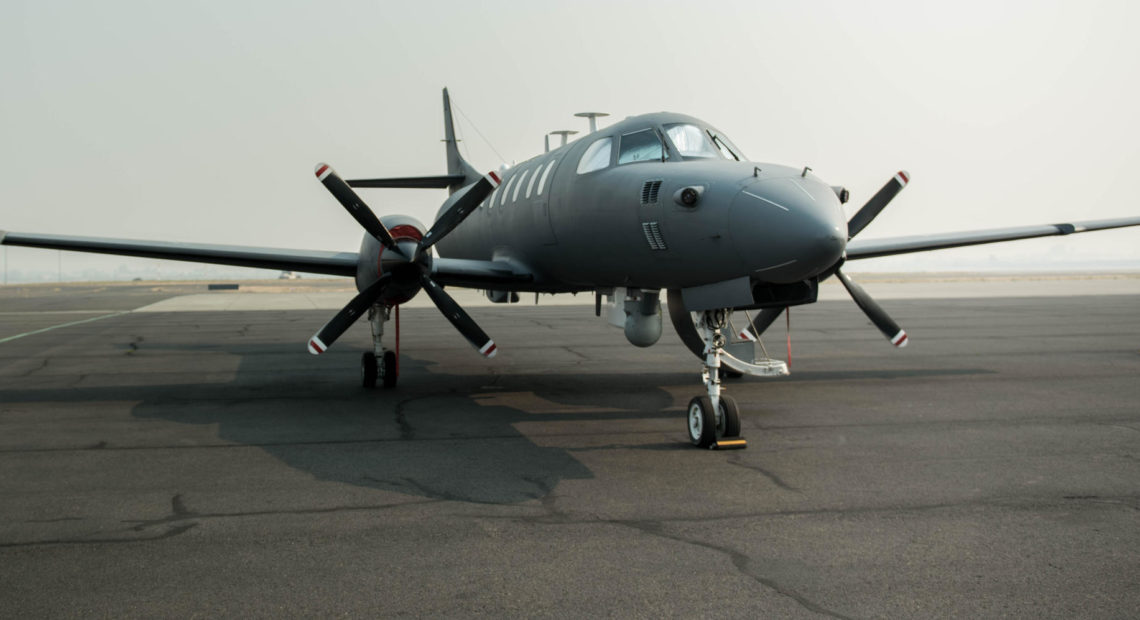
x=456 y=165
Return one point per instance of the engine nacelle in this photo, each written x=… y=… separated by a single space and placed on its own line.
x=405 y=283
x=643 y=319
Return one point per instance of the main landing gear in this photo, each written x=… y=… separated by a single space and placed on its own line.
x=714 y=420
x=381 y=363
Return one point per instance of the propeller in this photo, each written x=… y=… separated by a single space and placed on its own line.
x=458 y=317
x=866 y=303
x=454 y=215
x=761 y=322
x=877 y=203
x=874 y=311
x=460 y=210
x=356 y=207
x=346 y=317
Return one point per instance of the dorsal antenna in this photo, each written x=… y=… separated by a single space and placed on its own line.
x=593 y=116
x=564 y=133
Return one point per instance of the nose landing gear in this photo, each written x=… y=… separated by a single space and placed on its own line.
x=380 y=363
x=714 y=420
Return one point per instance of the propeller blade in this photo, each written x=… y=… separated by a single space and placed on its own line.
x=461 y=209
x=322 y=340
x=878 y=316
x=877 y=203
x=460 y=319
x=355 y=206
x=760 y=323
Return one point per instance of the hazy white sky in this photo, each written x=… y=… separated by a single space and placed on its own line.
x=202 y=121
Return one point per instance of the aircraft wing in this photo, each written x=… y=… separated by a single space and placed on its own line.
x=872 y=248
x=488 y=274
x=309 y=261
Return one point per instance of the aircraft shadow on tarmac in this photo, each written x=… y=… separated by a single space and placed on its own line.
x=441 y=436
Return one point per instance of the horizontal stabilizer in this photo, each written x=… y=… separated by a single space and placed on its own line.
x=437 y=182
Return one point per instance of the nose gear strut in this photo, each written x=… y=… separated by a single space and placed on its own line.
x=714 y=420
x=380 y=362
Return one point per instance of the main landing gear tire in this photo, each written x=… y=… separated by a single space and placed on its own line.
x=389 y=370
x=368 y=370
x=705 y=427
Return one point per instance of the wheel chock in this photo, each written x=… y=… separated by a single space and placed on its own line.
x=736 y=443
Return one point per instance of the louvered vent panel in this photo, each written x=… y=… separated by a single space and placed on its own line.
x=653 y=236
x=649 y=192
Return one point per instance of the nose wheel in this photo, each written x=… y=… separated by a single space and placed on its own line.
x=383 y=368
x=714 y=419
x=706 y=428
x=368 y=369
x=381 y=363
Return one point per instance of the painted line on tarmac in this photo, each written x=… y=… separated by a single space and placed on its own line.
x=48 y=329
x=38 y=312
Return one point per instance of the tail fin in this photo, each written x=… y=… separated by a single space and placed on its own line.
x=456 y=165
x=459 y=173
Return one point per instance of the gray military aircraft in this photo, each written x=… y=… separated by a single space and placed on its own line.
x=655 y=202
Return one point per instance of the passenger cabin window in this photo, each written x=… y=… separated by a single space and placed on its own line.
x=507 y=190
x=642 y=145
x=597 y=156
x=533 y=178
x=545 y=173
x=691 y=141
x=522 y=179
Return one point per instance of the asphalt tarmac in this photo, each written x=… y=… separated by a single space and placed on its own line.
x=202 y=463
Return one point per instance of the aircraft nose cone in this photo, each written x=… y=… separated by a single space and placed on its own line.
x=788 y=229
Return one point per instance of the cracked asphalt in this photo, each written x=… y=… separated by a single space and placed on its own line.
x=202 y=463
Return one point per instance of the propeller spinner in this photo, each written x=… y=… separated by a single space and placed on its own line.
x=455 y=215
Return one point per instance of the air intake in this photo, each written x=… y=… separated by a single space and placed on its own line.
x=653 y=235
x=649 y=192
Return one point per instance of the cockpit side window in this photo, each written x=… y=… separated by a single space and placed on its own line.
x=644 y=145
x=727 y=148
x=596 y=157
x=691 y=141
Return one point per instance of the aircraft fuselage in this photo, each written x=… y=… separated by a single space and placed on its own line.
x=619 y=223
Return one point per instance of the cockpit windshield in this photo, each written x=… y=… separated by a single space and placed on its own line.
x=727 y=148
x=691 y=141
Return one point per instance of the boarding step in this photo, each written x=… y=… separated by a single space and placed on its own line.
x=741 y=357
